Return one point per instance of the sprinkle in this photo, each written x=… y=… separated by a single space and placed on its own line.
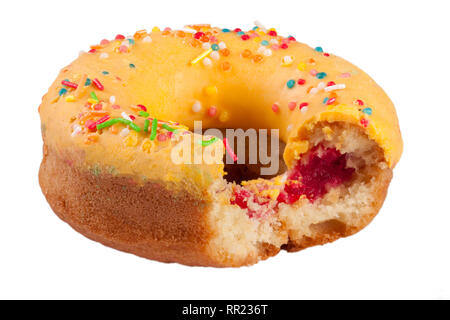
x=198 y=35
x=284 y=46
x=206 y=45
x=228 y=148
x=364 y=122
x=212 y=111
x=132 y=66
x=287 y=61
x=264 y=43
x=125 y=116
x=161 y=137
x=290 y=84
x=346 y=75
x=207 y=62
x=116 y=120
x=124 y=132
x=321 y=85
x=93 y=125
x=112 y=99
x=103 y=55
x=273 y=41
x=245 y=37
x=88 y=82
x=272 y=33
x=331 y=101
x=165 y=126
x=69 y=84
x=292 y=105
x=367 y=111
x=303 y=105
x=222 y=45
x=304 y=109
x=98 y=84
x=301 y=66
x=257 y=58
x=215 y=55
x=313 y=72
x=142 y=107
x=131 y=41
x=105 y=73
x=153 y=130
x=267 y=52
x=275 y=107
x=115 y=106
x=146 y=125
x=325 y=100
x=226 y=30
x=246 y=53
x=319 y=49
x=335 y=87
x=201 y=56
x=123 y=49
x=313 y=91
x=94 y=96
x=77 y=129
x=147 y=39
x=358 y=102
x=211 y=90
x=301 y=81
x=215 y=47
x=226 y=66
x=62 y=91
x=207 y=142
x=321 y=75
x=119 y=37
x=197 y=106
x=70 y=98
x=143 y=114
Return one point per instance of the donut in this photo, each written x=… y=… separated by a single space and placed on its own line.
x=124 y=165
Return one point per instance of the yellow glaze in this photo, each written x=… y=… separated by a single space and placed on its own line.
x=179 y=78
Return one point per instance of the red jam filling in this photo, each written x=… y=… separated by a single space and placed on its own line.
x=319 y=171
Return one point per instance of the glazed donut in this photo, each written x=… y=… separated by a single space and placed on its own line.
x=115 y=117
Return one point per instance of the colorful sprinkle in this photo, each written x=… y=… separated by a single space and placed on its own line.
x=165 y=126
x=321 y=75
x=264 y=43
x=292 y=105
x=301 y=81
x=290 y=84
x=146 y=125
x=367 y=111
x=132 y=65
x=94 y=96
x=212 y=111
x=62 y=91
x=206 y=143
x=154 y=128
x=275 y=107
x=143 y=114
x=215 y=47
x=318 y=49
x=197 y=106
x=98 y=84
x=358 y=102
x=69 y=84
x=201 y=56
x=228 y=148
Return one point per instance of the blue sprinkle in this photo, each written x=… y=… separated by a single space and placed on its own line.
x=132 y=66
x=265 y=43
x=225 y=30
x=131 y=41
x=215 y=47
x=321 y=75
x=325 y=100
x=367 y=111
x=105 y=72
x=290 y=84
x=254 y=28
x=62 y=91
x=241 y=33
x=88 y=82
x=319 y=49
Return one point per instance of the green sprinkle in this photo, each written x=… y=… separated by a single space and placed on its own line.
x=110 y=122
x=146 y=124
x=132 y=66
x=144 y=114
x=154 y=127
x=165 y=126
x=94 y=96
x=107 y=123
x=207 y=142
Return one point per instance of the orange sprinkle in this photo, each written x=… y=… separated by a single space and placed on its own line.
x=225 y=52
x=246 y=53
x=140 y=34
x=257 y=58
x=165 y=32
x=311 y=61
x=180 y=34
x=113 y=129
x=226 y=66
x=204 y=38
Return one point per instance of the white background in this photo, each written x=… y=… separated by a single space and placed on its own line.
x=403 y=253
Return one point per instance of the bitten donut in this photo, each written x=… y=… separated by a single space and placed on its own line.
x=117 y=122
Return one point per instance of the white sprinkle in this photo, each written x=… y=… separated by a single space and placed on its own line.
x=289 y=127
x=273 y=41
x=267 y=52
x=261 y=49
x=321 y=85
x=335 y=87
x=189 y=30
x=222 y=45
x=259 y=24
x=104 y=55
x=112 y=99
x=124 y=132
x=125 y=116
x=147 y=39
x=287 y=60
x=207 y=62
x=304 y=109
x=197 y=106
x=206 y=45
x=125 y=43
x=215 y=55
x=314 y=91
x=76 y=130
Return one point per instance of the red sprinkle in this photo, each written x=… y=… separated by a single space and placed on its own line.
x=120 y=37
x=92 y=51
x=198 y=35
x=161 y=137
x=359 y=102
x=301 y=81
x=245 y=37
x=331 y=101
x=303 y=104
x=237 y=30
x=212 y=111
x=284 y=46
x=291 y=38
x=272 y=33
x=275 y=107
x=98 y=106
x=115 y=106
x=143 y=108
x=104 y=42
x=132 y=117
x=331 y=83
x=292 y=105
x=98 y=84
x=69 y=84
x=326 y=54
x=364 y=122
x=90 y=124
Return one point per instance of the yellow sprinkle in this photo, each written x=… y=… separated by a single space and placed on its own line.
x=70 y=98
x=201 y=56
x=272 y=193
x=131 y=139
x=224 y=116
x=92 y=101
x=211 y=90
x=156 y=29
x=301 y=66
